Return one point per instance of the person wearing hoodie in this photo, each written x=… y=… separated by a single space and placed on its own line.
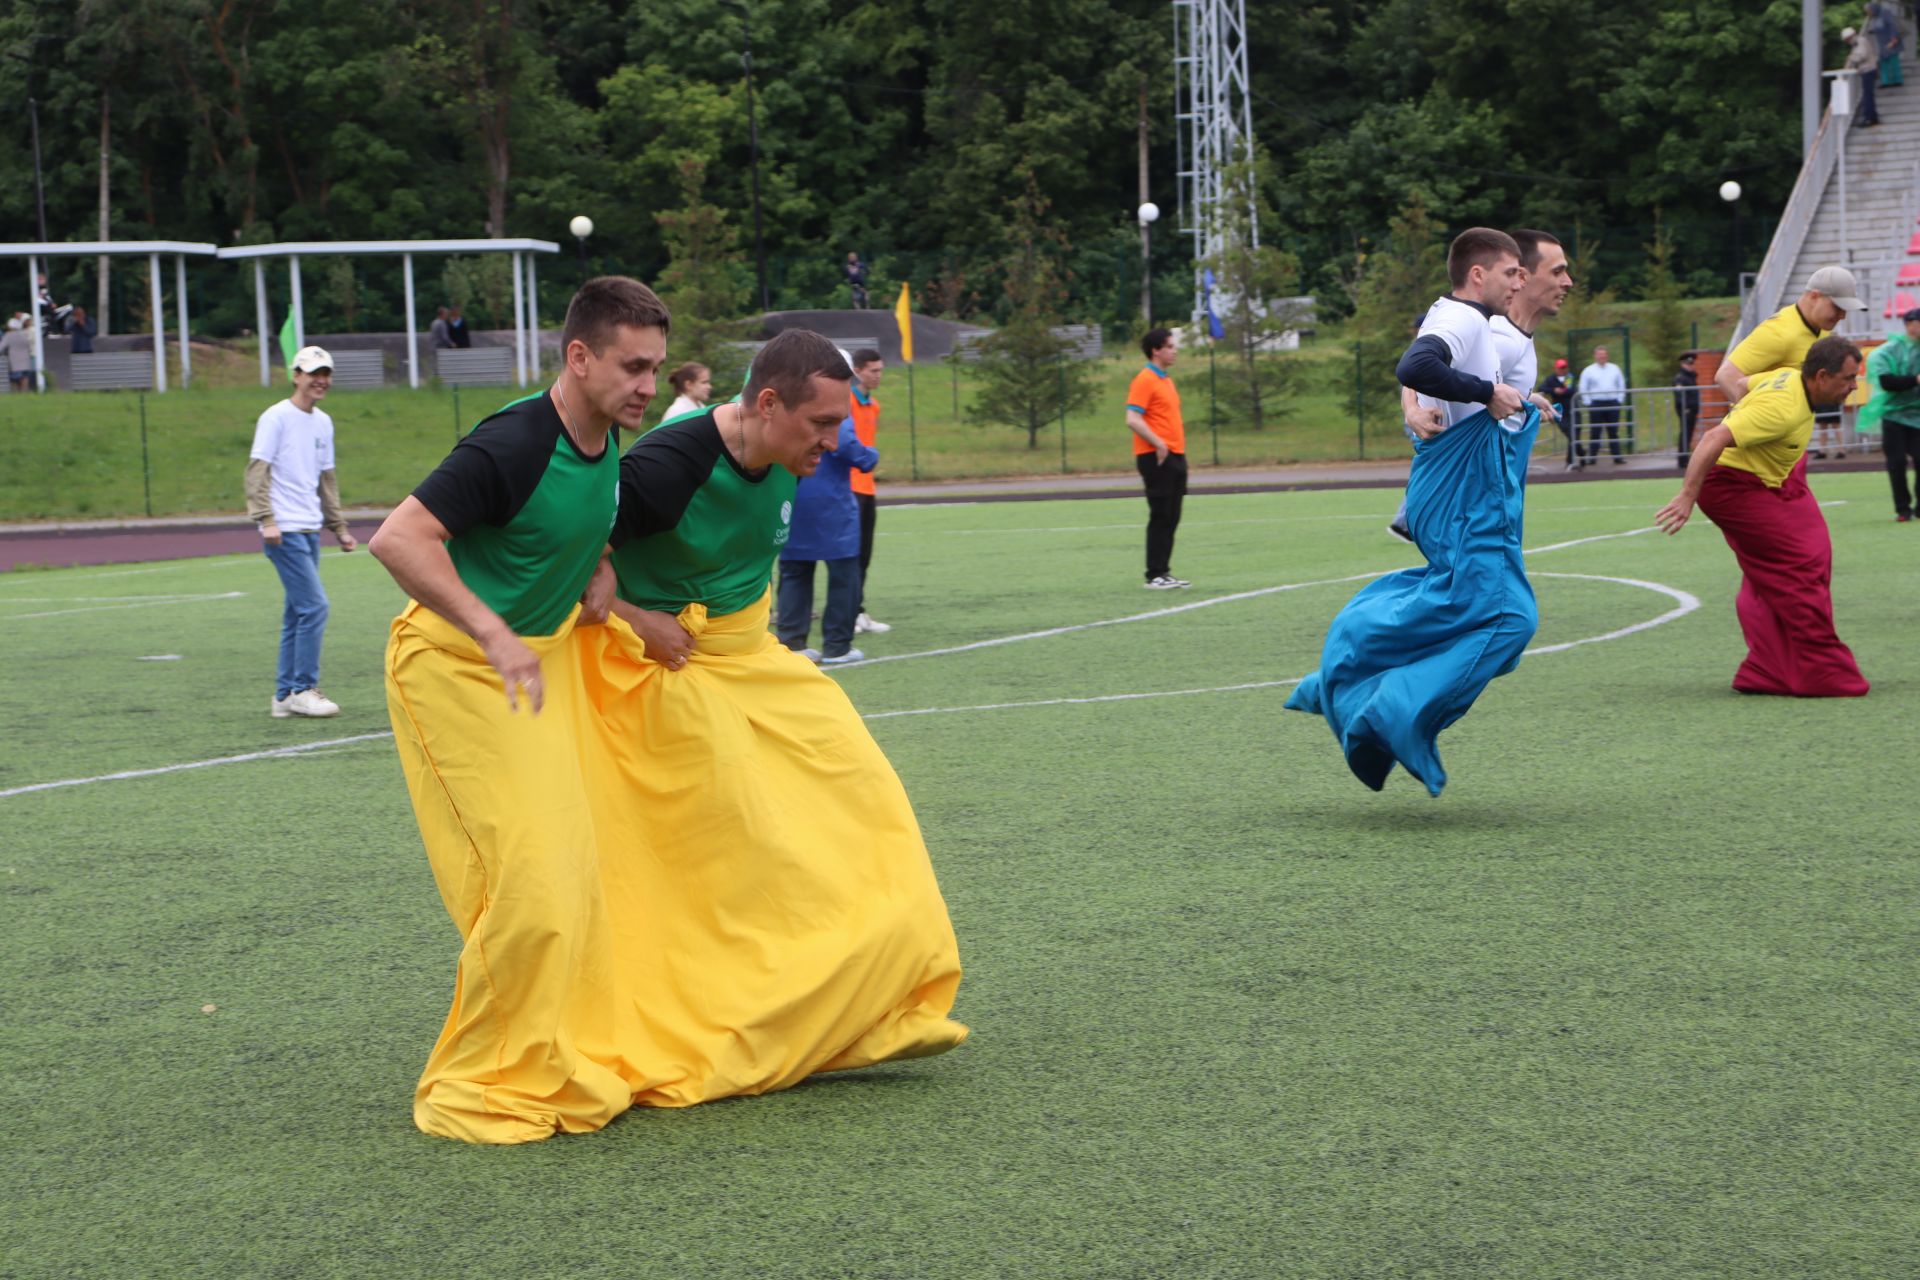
x=1893 y=372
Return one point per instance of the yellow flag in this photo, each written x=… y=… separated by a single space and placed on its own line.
x=903 y=315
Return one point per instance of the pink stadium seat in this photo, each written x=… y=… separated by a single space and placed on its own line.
x=1900 y=304
x=1913 y=245
x=1909 y=274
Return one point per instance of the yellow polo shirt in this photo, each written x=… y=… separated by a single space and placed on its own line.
x=1771 y=426
x=1778 y=342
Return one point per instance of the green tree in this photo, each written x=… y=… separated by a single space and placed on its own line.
x=1663 y=329
x=1391 y=287
x=1255 y=283
x=704 y=281
x=1027 y=380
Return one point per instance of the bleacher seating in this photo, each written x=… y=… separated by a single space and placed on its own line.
x=359 y=370
x=475 y=366
x=111 y=371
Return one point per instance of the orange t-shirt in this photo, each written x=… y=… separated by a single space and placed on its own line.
x=866 y=425
x=1153 y=397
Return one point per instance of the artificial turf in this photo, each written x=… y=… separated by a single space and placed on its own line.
x=1633 y=998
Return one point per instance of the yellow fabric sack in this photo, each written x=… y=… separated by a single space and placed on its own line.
x=538 y=1037
x=775 y=910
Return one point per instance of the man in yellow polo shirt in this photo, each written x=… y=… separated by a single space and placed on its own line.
x=1160 y=451
x=1746 y=474
x=1781 y=340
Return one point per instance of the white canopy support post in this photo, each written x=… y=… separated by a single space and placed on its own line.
x=533 y=320
x=260 y=314
x=180 y=305
x=39 y=339
x=413 y=337
x=159 y=323
x=519 y=322
x=299 y=307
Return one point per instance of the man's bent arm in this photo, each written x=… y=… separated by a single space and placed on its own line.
x=259 y=484
x=1137 y=423
x=331 y=514
x=1427 y=368
x=1706 y=455
x=1732 y=382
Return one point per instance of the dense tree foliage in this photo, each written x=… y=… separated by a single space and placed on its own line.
x=897 y=127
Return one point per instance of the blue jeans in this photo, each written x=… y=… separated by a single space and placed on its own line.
x=297 y=559
x=795 y=617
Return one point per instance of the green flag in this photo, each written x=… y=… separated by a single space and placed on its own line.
x=289 y=344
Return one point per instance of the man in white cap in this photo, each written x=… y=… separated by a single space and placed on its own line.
x=292 y=495
x=1781 y=340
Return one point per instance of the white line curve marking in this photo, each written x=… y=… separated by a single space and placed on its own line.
x=125 y=774
x=109 y=608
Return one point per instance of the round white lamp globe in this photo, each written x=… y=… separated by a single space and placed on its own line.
x=1729 y=191
x=1149 y=212
x=581 y=226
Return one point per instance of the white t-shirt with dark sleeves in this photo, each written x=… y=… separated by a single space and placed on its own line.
x=1469 y=338
x=1519 y=364
x=298 y=446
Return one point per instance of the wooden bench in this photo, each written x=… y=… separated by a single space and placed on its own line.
x=359 y=370
x=475 y=366
x=111 y=371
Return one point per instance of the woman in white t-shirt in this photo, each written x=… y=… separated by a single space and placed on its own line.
x=692 y=388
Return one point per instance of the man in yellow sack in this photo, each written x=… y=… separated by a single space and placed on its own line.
x=485 y=692
x=778 y=913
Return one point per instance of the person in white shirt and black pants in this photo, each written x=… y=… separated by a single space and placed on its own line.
x=292 y=495
x=1603 y=389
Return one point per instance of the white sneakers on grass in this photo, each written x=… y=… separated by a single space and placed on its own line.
x=1165 y=582
x=866 y=623
x=306 y=702
x=842 y=659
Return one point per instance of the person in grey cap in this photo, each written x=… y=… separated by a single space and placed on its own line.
x=1893 y=371
x=1781 y=340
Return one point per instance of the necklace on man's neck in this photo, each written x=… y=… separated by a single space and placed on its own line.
x=566 y=415
x=740 y=421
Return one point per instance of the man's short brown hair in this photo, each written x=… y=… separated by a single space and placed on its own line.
x=790 y=363
x=1830 y=355
x=606 y=303
x=1529 y=243
x=864 y=357
x=1477 y=247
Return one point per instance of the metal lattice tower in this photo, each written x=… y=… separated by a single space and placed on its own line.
x=1213 y=118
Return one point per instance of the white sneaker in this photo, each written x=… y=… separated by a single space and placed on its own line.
x=1165 y=582
x=867 y=623
x=811 y=655
x=842 y=659
x=278 y=708
x=311 y=702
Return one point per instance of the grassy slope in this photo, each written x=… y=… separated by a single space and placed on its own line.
x=1604 y=1009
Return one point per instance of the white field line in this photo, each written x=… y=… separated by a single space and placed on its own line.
x=124 y=774
x=108 y=608
x=1687 y=604
x=1136 y=525
x=178 y=595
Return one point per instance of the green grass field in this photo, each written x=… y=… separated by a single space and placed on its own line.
x=1634 y=998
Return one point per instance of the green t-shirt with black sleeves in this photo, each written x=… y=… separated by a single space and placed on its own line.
x=693 y=525
x=529 y=513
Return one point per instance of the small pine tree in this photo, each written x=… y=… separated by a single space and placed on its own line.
x=1391 y=288
x=343 y=292
x=703 y=283
x=1250 y=282
x=1026 y=379
x=1663 y=330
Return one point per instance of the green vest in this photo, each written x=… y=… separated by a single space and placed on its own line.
x=721 y=553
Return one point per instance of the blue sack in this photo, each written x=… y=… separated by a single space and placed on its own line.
x=1410 y=653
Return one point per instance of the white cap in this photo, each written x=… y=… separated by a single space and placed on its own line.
x=1838 y=284
x=13 y=322
x=308 y=359
x=1846 y=33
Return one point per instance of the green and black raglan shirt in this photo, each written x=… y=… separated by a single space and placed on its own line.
x=694 y=526
x=529 y=513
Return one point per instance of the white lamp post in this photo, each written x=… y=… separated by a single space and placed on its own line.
x=1148 y=214
x=582 y=227
x=1730 y=192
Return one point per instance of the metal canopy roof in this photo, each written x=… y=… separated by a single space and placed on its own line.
x=319 y=248
x=95 y=248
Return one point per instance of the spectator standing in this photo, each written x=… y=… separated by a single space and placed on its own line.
x=292 y=495
x=82 y=329
x=1603 y=389
x=1557 y=387
x=18 y=348
x=1885 y=27
x=856 y=272
x=457 y=328
x=1864 y=62
x=692 y=387
x=1893 y=370
x=1160 y=453
x=865 y=410
x=1686 y=403
x=826 y=526
x=437 y=335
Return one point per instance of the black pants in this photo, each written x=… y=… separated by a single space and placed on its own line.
x=1869 y=109
x=1603 y=415
x=865 y=503
x=1901 y=445
x=1687 y=423
x=1166 y=487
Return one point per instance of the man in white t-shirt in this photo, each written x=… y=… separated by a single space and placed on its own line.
x=1548 y=281
x=1452 y=364
x=1603 y=390
x=292 y=495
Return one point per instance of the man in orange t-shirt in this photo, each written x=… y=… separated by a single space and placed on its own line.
x=1160 y=452
x=867 y=367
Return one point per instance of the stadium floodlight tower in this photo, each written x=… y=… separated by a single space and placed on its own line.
x=1213 y=118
